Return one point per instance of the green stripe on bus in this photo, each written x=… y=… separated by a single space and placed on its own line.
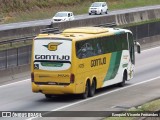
x=114 y=65
x=111 y=66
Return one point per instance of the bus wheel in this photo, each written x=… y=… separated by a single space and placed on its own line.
x=121 y=84
x=85 y=94
x=48 y=96
x=92 y=89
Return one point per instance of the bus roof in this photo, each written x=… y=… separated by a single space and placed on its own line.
x=86 y=30
x=80 y=33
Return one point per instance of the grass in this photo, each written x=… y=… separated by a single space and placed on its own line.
x=132 y=3
x=149 y=106
x=15 y=45
x=23 y=10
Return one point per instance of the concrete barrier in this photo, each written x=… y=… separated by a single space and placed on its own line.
x=20 y=32
x=148 y=35
x=21 y=55
x=139 y=16
x=120 y=19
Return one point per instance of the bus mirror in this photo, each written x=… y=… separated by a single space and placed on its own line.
x=138 y=47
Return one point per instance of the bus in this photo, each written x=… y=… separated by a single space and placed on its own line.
x=81 y=60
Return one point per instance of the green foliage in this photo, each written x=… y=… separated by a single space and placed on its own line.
x=149 y=106
x=22 y=10
x=25 y=5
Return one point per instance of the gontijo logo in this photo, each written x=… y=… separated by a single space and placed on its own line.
x=52 y=46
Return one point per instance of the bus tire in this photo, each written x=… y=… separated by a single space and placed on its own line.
x=121 y=84
x=48 y=96
x=92 y=89
x=85 y=94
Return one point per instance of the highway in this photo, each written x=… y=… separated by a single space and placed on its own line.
x=145 y=86
x=84 y=16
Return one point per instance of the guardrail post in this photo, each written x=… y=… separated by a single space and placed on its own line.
x=29 y=57
x=136 y=33
x=17 y=57
x=10 y=44
x=148 y=30
x=6 y=65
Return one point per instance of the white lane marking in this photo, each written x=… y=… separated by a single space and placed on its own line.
x=106 y=93
x=14 y=83
x=150 y=49
x=69 y=105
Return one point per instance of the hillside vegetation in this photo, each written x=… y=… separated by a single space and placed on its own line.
x=24 y=5
x=24 y=10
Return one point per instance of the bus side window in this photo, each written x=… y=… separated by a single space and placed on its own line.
x=124 y=43
x=84 y=49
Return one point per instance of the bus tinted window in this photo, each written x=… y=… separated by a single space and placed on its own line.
x=85 y=49
x=102 y=45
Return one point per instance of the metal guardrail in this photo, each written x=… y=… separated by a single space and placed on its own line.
x=19 y=56
x=113 y=24
x=50 y=30
x=11 y=41
x=23 y=39
x=54 y=30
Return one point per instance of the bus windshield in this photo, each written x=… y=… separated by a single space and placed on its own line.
x=52 y=55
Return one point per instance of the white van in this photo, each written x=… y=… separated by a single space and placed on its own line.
x=63 y=16
x=98 y=8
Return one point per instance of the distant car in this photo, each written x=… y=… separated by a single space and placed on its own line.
x=98 y=8
x=63 y=16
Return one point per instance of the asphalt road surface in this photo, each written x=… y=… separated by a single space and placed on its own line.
x=83 y=16
x=145 y=86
